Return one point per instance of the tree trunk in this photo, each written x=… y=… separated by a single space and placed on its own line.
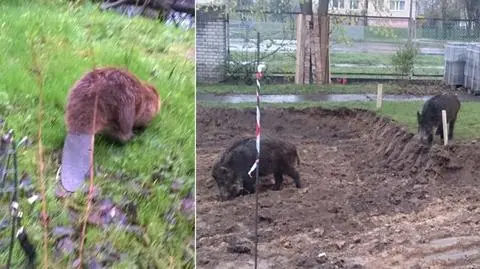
x=322 y=66
x=303 y=68
x=313 y=45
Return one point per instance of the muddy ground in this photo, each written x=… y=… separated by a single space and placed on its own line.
x=373 y=197
x=424 y=88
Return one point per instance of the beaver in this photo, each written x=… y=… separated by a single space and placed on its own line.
x=123 y=104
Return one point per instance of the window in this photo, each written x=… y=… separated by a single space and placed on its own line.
x=397 y=4
x=380 y=4
x=340 y=4
x=354 y=4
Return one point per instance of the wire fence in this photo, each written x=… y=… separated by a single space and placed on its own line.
x=360 y=46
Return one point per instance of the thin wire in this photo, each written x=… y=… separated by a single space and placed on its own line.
x=90 y=188
x=4 y=172
x=14 y=202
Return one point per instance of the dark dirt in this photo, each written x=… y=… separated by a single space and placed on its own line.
x=373 y=197
x=422 y=87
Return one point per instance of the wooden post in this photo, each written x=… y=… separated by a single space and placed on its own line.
x=321 y=61
x=323 y=31
x=307 y=54
x=300 y=68
x=379 y=96
x=445 y=127
x=329 y=79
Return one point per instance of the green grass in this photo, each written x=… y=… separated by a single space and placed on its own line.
x=285 y=62
x=369 y=58
x=466 y=127
x=388 y=88
x=61 y=36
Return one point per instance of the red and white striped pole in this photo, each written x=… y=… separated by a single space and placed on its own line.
x=256 y=165
x=259 y=75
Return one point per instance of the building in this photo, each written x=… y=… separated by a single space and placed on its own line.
x=384 y=8
x=397 y=10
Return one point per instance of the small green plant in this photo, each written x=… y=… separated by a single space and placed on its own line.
x=240 y=71
x=404 y=59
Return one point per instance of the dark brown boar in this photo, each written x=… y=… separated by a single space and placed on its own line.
x=277 y=157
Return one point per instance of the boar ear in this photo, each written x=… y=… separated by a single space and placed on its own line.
x=224 y=170
x=419 y=117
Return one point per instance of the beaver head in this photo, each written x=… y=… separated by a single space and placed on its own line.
x=149 y=106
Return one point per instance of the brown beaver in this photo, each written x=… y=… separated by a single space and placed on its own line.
x=124 y=103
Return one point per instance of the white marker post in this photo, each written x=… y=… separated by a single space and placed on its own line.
x=379 y=96
x=445 y=127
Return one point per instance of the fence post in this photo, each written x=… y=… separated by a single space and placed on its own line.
x=300 y=53
x=410 y=22
x=227 y=33
x=379 y=96
x=258 y=50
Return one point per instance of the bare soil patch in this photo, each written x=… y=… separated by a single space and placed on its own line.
x=373 y=197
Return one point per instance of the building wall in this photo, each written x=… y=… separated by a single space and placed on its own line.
x=380 y=9
x=211 y=45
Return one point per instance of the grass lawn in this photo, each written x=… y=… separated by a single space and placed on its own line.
x=388 y=88
x=466 y=127
x=66 y=41
x=372 y=63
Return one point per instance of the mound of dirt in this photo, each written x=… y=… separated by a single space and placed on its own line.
x=370 y=193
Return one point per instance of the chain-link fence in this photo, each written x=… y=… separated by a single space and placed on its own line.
x=277 y=43
x=452 y=30
x=360 y=46
x=376 y=47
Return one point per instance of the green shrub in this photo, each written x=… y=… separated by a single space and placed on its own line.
x=404 y=59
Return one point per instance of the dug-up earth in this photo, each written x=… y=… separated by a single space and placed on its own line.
x=373 y=197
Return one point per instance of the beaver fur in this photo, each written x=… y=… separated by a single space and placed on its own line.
x=124 y=103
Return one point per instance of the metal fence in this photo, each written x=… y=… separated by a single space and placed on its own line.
x=360 y=47
x=277 y=42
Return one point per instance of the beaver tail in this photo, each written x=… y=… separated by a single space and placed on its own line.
x=75 y=160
